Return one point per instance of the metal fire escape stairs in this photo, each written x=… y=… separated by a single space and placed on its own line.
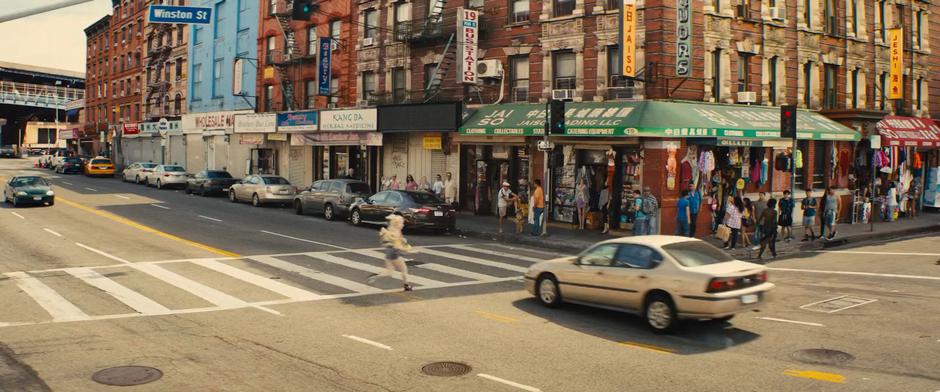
x=291 y=55
x=440 y=72
x=159 y=55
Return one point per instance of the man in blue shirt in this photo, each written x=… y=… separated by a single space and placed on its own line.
x=640 y=220
x=683 y=215
x=695 y=202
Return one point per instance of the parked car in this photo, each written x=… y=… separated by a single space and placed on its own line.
x=7 y=152
x=167 y=175
x=138 y=172
x=662 y=278
x=210 y=181
x=70 y=165
x=331 y=197
x=99 y=166
x=22 y=190
x=420 y=210
x=57 y=162
x=262 y=189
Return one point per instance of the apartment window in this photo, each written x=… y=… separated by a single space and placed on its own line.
x=179 y=69
x=716 y=5
x=179 y=35
x=744 y=71
x=399 y=92
x=563 y=70
x=855 y=74
x=166 y=74
x=429 y=70
x=808 y=84
x=311 y=40
x=919 y=92
x=563 y=7
x=269 y=51
x=808 y=13
x=371 y=17
x=166 y=104
x=519 y=78
x=919 y=24
x=832 y=22
x=716 y=75
x=743 y=8
x=772 y=82
x=519 y=11
x=219 y=27
x=368 y=85
x=310 y=94
x=882 y=20
x=269 y=98
x=829 y=86
x=217 y=78
x=272 y=7
x=335 y=30
x=197 y=35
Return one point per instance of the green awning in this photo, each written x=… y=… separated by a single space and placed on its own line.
x=654 y=119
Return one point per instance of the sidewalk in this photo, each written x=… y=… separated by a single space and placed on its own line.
x=565 y=237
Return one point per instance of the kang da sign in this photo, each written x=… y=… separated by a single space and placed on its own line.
x=468 y=27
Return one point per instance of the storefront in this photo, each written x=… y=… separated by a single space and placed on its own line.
x=209 y=145
x=418 y=141
x=140 y=143
x=907 y=160
x=254 y=132
x=347 y=145
x=293 y=161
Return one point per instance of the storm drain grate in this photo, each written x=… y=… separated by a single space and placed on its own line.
x=124 y=376
x=837 y=304
x=446 y=369
x=822 y=356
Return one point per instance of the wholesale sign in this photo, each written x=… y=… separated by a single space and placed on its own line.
x=323 y=67
x=468 y=25
x=628 y=38
x=896 y=86
x=683 y=38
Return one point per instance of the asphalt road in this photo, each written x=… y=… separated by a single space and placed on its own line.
x=228 y=297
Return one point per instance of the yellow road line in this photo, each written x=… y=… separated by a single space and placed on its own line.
x=496 y=317
x=145 y=228
x=814 y=375
x=650 y=347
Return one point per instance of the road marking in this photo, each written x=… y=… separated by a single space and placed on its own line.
x=314 y=274
x=200 y=290
x=122 y=197
x=52 y=232
x=67 y=183
x=260 y=281
x=856 y=273
x=159 y=206
x=57 y=306
x=212 y=219
x=131 y=298
x=510 y=383
x=649 y=347
x=863 y=301
x=435 y=252
x=18 y=215
x=148 y=229
x=91 y=189
x=369 y=268
x=814 y=375
x=303 y=240
x=550 y=254
x=432 y=266
x=496 y=253
x=791 y=321
x=369 y=342
x=858 y=252
x=496 y=317
x=103 y=253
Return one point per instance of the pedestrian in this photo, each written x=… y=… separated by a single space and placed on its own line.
x=651 y=210
x=450 y=189
x=734 y=209
x=581 y=201
x=424 y=185
x=503 y=198
x=683 y=214
x=768 y=222
x=393 y=183
x=438 y=187
x=604 y=203
x=395 y=244
x=759 y=206
x=785 y=219
x=538 y=207
x=831 y=212
x=891 y=214
x=410 y=183
x=821 y=211
x=808 y=205
x=747 y=222
x=695 y=204
x=640 y=220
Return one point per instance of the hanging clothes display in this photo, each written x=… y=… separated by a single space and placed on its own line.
x=798 y=159
x=764 y=168
x=671 y=168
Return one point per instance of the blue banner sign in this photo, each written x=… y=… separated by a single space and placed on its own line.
x=323 y=67
x=177 y=14
x=305 y=121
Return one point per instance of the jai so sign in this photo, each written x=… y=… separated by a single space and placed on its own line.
x=468 y=22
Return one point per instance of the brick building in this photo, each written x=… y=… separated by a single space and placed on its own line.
x=128 y=20
x=165 y=60
x=97 y=71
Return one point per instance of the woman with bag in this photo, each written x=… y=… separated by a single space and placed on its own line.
x=734 y=209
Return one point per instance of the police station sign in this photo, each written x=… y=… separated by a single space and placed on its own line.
x=468 y=27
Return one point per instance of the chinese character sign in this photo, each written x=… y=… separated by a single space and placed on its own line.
x=468 y=22
x=628 y=38
x=895 y=85
x=683 y=38
x=324 y=67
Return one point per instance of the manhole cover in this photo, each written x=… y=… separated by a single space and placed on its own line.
x=446 y=369
x=124 y=376
x=822 y=356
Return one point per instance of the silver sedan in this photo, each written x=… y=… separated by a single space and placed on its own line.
x=263 y=189
x=168 y=175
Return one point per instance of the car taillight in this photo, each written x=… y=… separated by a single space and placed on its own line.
x=717 y=285
x=166 y=175
x=762 y=277
x=421 y=210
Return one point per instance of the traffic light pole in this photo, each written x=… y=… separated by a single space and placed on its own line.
x=546 y=170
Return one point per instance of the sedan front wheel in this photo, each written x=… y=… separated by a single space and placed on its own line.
x=547 y=292
x=328 y=212
x=255 y=201
x=231 y=196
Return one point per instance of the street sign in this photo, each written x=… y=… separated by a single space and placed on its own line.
x=163 y=126
x=545 y=145
x=176 y=14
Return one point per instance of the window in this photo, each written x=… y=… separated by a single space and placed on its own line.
x=808 y=13
x=179 y=35
x=166 y=75
x=637 y=256
x=219 y=20
x=519 y=11
x=166 y=104
x=820 y=160
x=197 y=34
x=272 y=7
x=269 y=98
x=696 y=253
x=217 y=78
x=772 y=82
x=311 y=40
x=368 y=85
x=402 y=16
x=855 y=74
x=919 y=25
x=563 y=70
x=178 y=104
x=831 y=21
x=269 y=51
x=808 y=84
x=519 y=78
x=601 y=255
x=179 y=69
x=743 y=9
x=310 y=94
x=883 y=30
x=399 y=91
x=563 y=7
x=855 y=18
x=429 y=70
x=830 y=86
x=716 y=75
x=919 y=90
x=883 y=87
x=371 y=27
x=716 y=5
x=335 y=30
x=744 y=71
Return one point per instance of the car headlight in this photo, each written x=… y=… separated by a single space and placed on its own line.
x=21 y=193
x=50 y=193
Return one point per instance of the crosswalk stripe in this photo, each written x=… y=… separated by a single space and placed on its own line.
x=433 y=267
x=260 y=281
x=200 y=290
x=368 y=268
x=488 y=263
x=355 y=287
x=57 y=306
x=497 y=253
x=129 y=297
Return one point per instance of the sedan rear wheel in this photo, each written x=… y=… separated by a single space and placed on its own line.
x=255 y=201
x=202 y=191
x=660 y=313
x=137 y=180
x=159 y=185
x=298 y=207
x=547 y=292
x=355 y=218
x=328 y=212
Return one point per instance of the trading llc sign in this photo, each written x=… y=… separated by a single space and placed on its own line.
x=468 y=22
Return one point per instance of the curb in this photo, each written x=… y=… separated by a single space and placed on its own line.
x=524 y=239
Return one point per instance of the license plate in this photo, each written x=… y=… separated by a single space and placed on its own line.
x=438 y=213
x=749 y=299
x=37 y=197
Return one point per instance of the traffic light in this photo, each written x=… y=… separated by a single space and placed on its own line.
x=302 y=9
x=556 y=118
x=788 y=121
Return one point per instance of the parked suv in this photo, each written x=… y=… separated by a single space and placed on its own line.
x=331 y=197
x=7 y=152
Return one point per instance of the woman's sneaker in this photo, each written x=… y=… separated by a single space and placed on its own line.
x=408 y=287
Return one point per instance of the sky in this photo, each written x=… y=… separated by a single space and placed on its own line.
x=53 y=39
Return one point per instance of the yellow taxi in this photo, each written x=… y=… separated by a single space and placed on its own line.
x=99 y=166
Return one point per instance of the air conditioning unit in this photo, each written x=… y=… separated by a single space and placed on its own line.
x=331 y=105
x=562 y=95
x=778 y=13
x=747 y=97
x=368 y=41
x=489 y=69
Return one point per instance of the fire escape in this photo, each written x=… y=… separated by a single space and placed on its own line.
x=159 y=55
x=286 y=60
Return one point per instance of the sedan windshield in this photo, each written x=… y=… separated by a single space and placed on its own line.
x=696 y=253
x=424 y=198
x=73 y=160
x=29 y=181
x=218 y=174
x=275 y=181
x=148 y=165
x=173 y=169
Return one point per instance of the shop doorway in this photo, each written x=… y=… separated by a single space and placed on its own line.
x=264 y=161
x=484 y=168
